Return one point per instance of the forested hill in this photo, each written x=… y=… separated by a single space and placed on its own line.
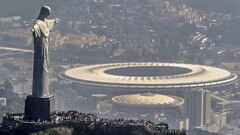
x=27 y=8
x=222 y=6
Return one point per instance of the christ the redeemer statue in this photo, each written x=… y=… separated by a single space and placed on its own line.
x=41 y=105
x=41 y=30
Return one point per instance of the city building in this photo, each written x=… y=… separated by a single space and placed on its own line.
x=184 y=124
x=197 y=107
x=3 y=101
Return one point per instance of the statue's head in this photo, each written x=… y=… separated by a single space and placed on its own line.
x=44 y=12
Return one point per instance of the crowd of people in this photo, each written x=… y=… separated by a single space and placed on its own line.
x=61 y=117
x=74 y=116
x=121 y=121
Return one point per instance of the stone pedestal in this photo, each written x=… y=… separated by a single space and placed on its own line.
x=39 y=108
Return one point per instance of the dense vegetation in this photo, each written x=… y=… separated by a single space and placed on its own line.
x=224 y=6
x=26 y=8
x=200 y=132
x=55 y=131
x=14 y=102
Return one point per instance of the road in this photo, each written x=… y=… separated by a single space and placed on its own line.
x=15 y=49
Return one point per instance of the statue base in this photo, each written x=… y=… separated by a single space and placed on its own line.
x=39 y=108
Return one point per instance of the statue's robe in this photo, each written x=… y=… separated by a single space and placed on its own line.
x=41 y=30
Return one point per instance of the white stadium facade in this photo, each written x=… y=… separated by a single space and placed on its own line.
x=134 y=77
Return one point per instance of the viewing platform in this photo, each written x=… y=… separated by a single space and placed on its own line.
x=87 y=124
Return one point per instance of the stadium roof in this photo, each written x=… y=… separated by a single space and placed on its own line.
x=189 y=76
x=147 y=100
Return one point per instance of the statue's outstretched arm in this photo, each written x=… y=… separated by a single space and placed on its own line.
x=56 y=20
x=51 y=23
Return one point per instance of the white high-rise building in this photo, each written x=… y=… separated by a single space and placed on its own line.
x=3 y=101
x=197 y=107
